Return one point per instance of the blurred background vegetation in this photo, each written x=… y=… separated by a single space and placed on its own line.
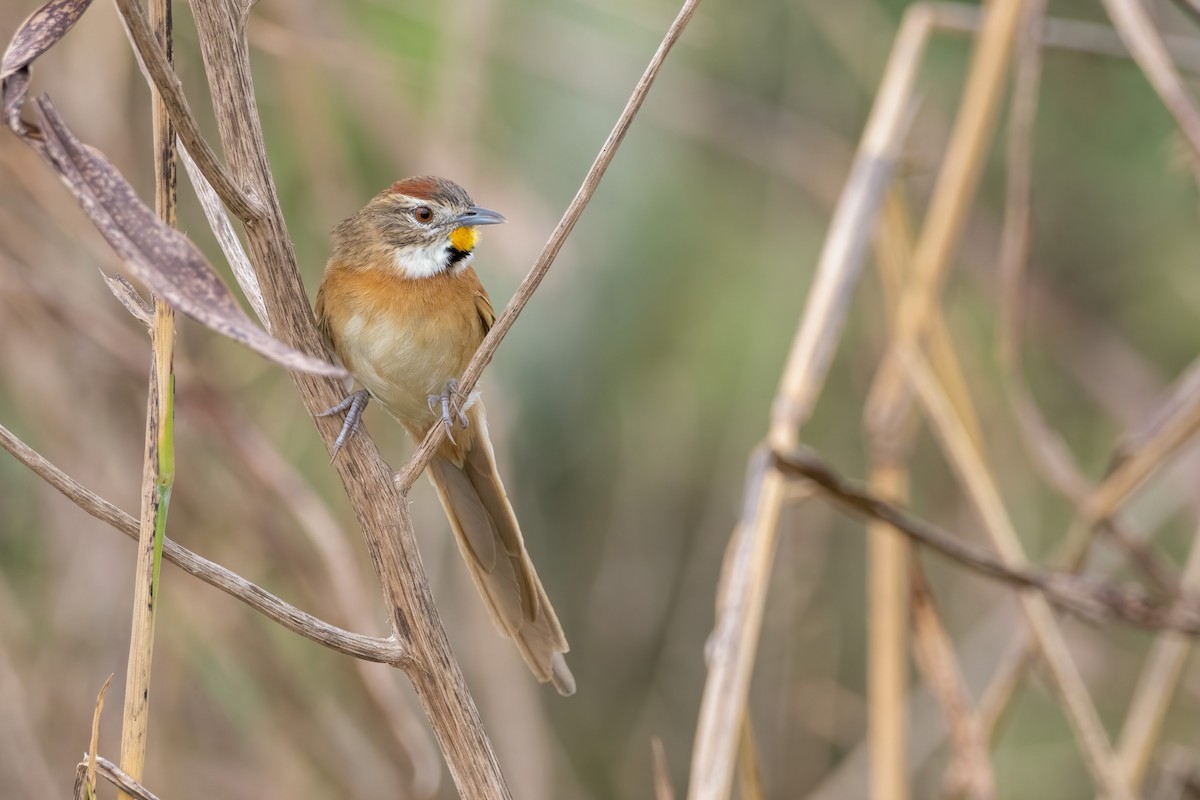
x=624 y=403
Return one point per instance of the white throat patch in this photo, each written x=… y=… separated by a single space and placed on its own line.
x=422 y=260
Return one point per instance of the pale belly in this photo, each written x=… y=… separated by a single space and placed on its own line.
x=402 y=362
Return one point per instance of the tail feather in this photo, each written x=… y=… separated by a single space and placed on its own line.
x=489 y=538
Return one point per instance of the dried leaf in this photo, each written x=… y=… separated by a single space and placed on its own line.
x=94 y=746
x=37 y=34
x=159 y=256
x=141 y=309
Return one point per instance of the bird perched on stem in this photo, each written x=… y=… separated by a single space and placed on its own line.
x=403 y=310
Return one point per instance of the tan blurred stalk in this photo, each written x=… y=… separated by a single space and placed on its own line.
x=745 y=575
x=158 y=469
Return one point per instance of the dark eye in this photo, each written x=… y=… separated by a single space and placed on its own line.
x=423 y=213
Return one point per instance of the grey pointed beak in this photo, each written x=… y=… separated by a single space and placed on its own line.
x=480 y=216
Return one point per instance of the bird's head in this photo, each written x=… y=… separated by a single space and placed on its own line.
x=426 y=225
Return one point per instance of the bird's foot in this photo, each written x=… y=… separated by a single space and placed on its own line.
x=443 y=401
x=353 y=404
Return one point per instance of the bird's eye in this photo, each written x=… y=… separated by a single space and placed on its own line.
x=423 y=213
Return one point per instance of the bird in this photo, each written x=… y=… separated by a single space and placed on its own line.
x=403 y=311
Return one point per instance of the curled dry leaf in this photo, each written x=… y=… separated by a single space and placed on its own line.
x=37 y=34
x=159 y=256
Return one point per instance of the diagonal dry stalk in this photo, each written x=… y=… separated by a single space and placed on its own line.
x=483 y=356
x=368 y=648
x=744 y=577
x=970 y=771
x=379 y=505
x=890 y=431
x=743 y=597
x=888 y=555
x=1156 y=685
x=1168 y=431
x=976 y=479
x=278 y=476
x=1087 y=597
x=382 y=512
x=113 y=774
x=1145 y=44
x=158 y=468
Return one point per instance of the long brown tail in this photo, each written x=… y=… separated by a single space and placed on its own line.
x=489 y=538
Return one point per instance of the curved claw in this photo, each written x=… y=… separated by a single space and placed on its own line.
x=353 y=404
x=443 y=400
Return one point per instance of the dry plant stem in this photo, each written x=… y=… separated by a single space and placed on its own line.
x=1072 y=35
x=663 y=790
x=387 y=651
x=841 y=255
x=1046 y=448
x=887 y=629
x=970 y=771
x=1097 y=750
x=959 y=176
x=1083 y=596
x=1183 y=394
x=1135 y=468
x=742 y=595
x=483 y=356
x=94 y=742
x=123 y=781
x=889 y=433
x=749 y=775
x=1102 y=503
x=732 y=645
x=887 y=554
x=1137 y=30
x=156 y=61
x=221 y=227
x=281 y=478
x=158 y=467
x=381 y=510
x=1157 y=684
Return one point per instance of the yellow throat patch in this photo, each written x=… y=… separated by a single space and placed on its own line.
x=464 y=238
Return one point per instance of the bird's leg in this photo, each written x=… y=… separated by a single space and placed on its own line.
x=443 y=400
x=353 y=404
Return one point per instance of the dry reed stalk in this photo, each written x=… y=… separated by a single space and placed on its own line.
x=1157 y=684
x=749 y=774
x=663 y=790
x=1137 y=31
x=158 y=469
x=94 y=741
x=1083 y=37
x=890 y=430
x=382 y=511
x=125 y=783
x=1100 y=505
x=887 y=630
x=970 y=771
x=977 y=480
x=279 y=477
x=155 y=59
x=888 y=553
x=958 y=177
x=282 y=613
x=487 y=349
x=227 y=239
x=745 y=575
